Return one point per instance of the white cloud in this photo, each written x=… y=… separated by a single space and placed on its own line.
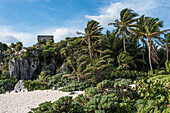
x=9 y=35
x=109 y=13
x=8 y=39
x=60 y=33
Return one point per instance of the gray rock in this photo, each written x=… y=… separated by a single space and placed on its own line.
x=19 y=87
x=54 y=88
x=65 y=69
x=50 y=67
x=23 y=68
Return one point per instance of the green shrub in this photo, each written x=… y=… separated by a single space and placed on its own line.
x=35 y=85
x=89 y=92
x=149 y=106
x=74 y=86
x=153 y=90
x=127 y=74
x=57 y=80
x=163 y=79
x=99 y=111
x=81 y=99
x=106 y=103
x=63 y=105
x=7 y=84
x=105 y=84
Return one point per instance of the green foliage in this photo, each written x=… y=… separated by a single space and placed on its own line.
x=35 y=85
x=63 y=105
x=46 y=81
x=167 y=65
x=26 y=54
x=43 y=74
x=74 y=86
x=3 y=47
x=150 y=106
x=153 y=90
x=127 y=74
x=18 y=46
x=125 y=60
x=162 y=79
x=90 y=92
x=7 y=84
x=57 y=80
x=105 y=84
x=107 y=103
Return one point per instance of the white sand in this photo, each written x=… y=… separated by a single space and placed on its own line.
x=23 y=102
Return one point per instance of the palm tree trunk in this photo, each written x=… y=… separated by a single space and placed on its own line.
x=149 y=46
x=124 y=46
x=143 y=53
x=90 y=52
x=78 y=77
x=167 y=55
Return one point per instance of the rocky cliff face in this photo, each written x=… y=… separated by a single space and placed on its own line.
x=24 y=68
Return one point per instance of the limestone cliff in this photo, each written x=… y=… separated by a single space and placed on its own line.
x=24 y=68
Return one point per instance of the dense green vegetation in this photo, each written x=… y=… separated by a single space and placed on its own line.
x=125 y=70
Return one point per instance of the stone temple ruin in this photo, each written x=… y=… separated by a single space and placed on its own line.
x=46 y=37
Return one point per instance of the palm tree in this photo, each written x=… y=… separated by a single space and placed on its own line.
x=141 y=23
x=80 y=66
x=93 y=30
x=140 y=30
x=125 y=60
x=110 y=44
x=126 y=21
x=152 y=31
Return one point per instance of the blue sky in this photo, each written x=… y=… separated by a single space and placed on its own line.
x=23 y=20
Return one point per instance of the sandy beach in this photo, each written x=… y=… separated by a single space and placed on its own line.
x=23 y=102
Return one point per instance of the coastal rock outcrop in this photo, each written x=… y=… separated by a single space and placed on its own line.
x=23 y=68
x=50 y=67
x=19 y=87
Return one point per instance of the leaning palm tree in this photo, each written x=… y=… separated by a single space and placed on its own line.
x=127 y=18
x=79 y=66
x=140 y=30
x=152 y=31
x=93 y=30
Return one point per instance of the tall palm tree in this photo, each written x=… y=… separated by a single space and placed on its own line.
x=93 y=30
x=151 y=32
x=127 y=18
x=140 y=30
x=141 y=23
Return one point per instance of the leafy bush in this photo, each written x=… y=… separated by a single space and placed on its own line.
x=7 y=84
x=43 y=74
x=57 y=80
x=46 y=81
x=89 y=92
x=127 y=74
x=106 y=103
x=74 y=86
x=35 y=85
x=81 y=99
x=105 y=84
x=63 y=105
x=150 y=106
x=163 y=79
x=153 y=90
